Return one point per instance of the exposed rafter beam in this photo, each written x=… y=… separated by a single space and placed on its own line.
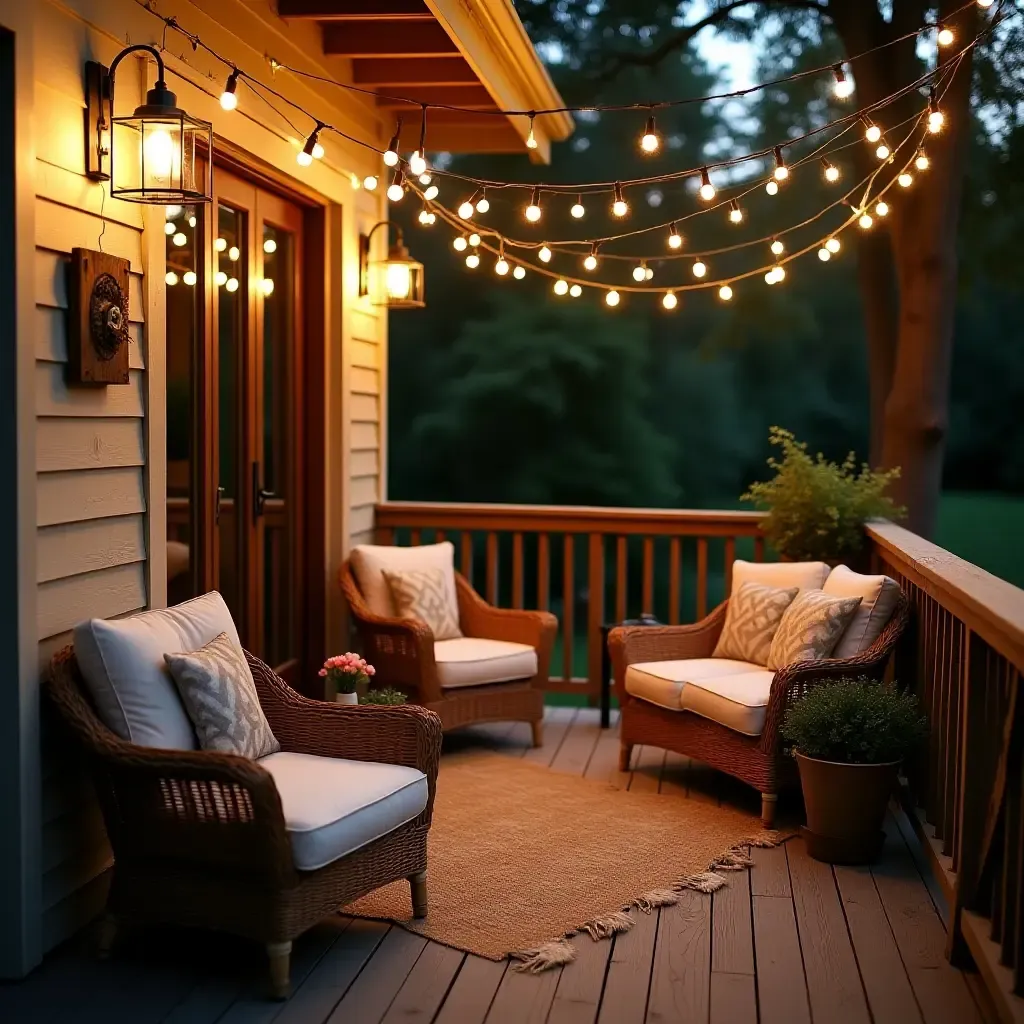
x=355 y=10
x=387 y=39
x=387 y=72
x=458 y=96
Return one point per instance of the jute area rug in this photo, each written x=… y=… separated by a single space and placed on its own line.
x=522 y=858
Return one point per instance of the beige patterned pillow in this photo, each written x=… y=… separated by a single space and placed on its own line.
x=423 y=594
x=220 y=697
x=754 y=614
x=811 y=628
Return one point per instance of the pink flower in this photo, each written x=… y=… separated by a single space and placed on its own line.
x=323 y=672
x=370 y=670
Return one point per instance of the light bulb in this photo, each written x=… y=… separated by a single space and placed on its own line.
x=418 y=163
x=771 y=187
x=519 y=272
x=425 y=178
x=921 y=161
x=843 y=87
x=649 y=142
x=699 y=268
x=575 y=291
x=872 y=132
x=590 y=263
x=474 y=239
x=501 y=266
x=473 y=261
x=189 y=278
x=370 y=182
x=640 y=273
x=936 y=120
x=769 y=278
x=735 y=213
x=483 y=204
x=171 y=278
x=173 y=212
x=833 y=245
x=531 y=139
x=648 y=274
x=985 y=3
x=945 y=35
x=561 y=286
x=192 y=221
x=179 y=239
x=170 y=228
x=466 y=209
x=831 y=171
x=611 y=298
x=425 y=217
x=391 y=153
x=866 y=220
x=431 y=193
x=304 y=158
x=220 y=244
x=577 y=208
x=675 y=240
x=266 y=285
x=725 y=293
x=619 y=207
x=669 y=300
x=906 y=179
x=882 y=152
x=160 y=153
x=707 y=190
x=544 y=254
x=396 y=190
x=778 y=247
x=270 y=245
x=232 y=284
x=780 y=273
x=882 y=209
x=824 y=255
x=318 y=151
x=390 y=157
x=459 y=243
x=220 y=279
x=533 y=211
x=234 y=253
x=781 y=172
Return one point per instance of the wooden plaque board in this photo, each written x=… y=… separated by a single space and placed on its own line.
x=97 y=318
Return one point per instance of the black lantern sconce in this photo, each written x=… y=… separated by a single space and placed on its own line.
x=154 y=155
x=395 y=282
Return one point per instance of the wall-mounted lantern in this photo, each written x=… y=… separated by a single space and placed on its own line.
x=395 y=282
x=159 y=155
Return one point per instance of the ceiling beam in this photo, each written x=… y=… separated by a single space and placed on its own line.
x=384 y=71
x=355 y=10
x=387 y=39
x=475 y=96
x=457 y=139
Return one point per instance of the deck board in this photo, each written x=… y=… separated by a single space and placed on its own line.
x=790 y=936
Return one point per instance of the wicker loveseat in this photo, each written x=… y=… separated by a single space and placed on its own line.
x=755 y=759
x=199 y=838
x=406 y=655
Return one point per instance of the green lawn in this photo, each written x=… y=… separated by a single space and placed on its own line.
x=986 y=529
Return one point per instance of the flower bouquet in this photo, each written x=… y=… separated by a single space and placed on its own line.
x=345 y=672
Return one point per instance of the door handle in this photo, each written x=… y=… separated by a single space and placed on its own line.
x=216 y=511
x=259 y=493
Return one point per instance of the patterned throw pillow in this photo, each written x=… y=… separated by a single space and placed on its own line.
x=220 y=697
x=423 y=594
x=811 y=628
x=754 y=614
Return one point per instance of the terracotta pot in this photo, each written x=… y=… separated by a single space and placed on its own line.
x=346 y=698
x=845 y=806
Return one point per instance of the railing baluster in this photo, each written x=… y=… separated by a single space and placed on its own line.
x=414 y=537
x=674 y=561
x=730 y=557
x=492 y=567
x=954 y=667
x=759 y=549
x=939 y=729
x=648 y=600
x=384 y=535
x=702 y=577
x=595 y=612
x=543 y=572
x=621 y=578
x=466 y=554
x=517 y=570
x=568 y=605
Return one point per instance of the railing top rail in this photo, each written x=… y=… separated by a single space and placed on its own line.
x=986 y=604
x=567 y=519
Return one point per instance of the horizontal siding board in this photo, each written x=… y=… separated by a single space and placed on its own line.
x=71 y=442
x=100 y=594
x=47 y=649
x=73 y=548
x=363 y=491
x=365 y=353
x=60 y=229
x=75 y=911
x=70 y=188
x=74 y=835
x=365 y=437
x=361 y=520
x=364 y=381
x=69 y=875
x=51 y=281
x=51 y=332
x=55 y=398
x=365 y=323
x=364 y=409
x=364 y=463
x=75 y=496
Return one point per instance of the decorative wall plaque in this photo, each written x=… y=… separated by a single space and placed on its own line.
x=97 y=318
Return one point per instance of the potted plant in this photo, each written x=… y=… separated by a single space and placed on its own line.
x=849 y=738
x=346 y=672
x=388 y=697
x=816 y=509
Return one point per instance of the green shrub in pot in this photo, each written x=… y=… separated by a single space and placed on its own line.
x=849 y=737
x=387 y=696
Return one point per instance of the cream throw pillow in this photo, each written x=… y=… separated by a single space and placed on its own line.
x=879 y=594
x=753 y=615
x=424 y=595
x=811 y=628
x=805 y=575
x=370 y=561
x=220 y=697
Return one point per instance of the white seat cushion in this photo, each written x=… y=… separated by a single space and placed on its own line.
x=369 y=561
x=805 y=575
x=333 y=806
x=122 y=662
x=878 y=595
x=474 y=661
x=733 y=693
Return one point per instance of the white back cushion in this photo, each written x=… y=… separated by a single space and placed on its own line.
x=878 y=595
x=805 y=575
x=370 y=560
x=122 y=661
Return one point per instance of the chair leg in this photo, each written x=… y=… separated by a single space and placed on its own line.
x=280 y=957
x=106 y=936
x=538 y=732
x=768 y=804
x=625 y=756
x=418 y=885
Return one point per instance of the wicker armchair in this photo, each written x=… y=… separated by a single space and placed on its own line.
x=756 y=760
x=199 y=838
x=402 y=651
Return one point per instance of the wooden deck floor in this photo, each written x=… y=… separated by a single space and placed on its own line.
x=791 y=941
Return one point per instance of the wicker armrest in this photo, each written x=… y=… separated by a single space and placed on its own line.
x=478 y=618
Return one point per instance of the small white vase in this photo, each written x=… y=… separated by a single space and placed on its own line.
x=346 y=698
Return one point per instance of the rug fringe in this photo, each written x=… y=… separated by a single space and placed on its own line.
x=607 y=925
x=545 y=956
x=705 y=881
x=734 y=860
x=654 y=899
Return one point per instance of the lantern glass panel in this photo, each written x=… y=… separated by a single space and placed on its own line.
x=154 y=159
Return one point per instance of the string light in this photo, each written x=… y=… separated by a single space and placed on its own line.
x=232 y=285
x=483 y=204
x=619 y=207
x=171 y=278
x=944 y=36
x=220 y=279
x=396 y=190
x=425 y=178
x=467 y=206
x=474 y=239
x=830 y=170
x=233 y=253
x=229 y=97
x=179 y=239
x=882 y=208
x=883 y=152
x=531 y=139
x=533 y=211
x=725 y=293
x=590 y=263
x=871 y=130
x=699 y=268
x=833 y=245
x=370 y=182
x=906 y=179
x=473 y=260
x=707 y=190
x=735 y=213
x=575 y=291
x=459 y=243
x=170 y=227
x=577 y=208
x=544 y=254
x=866 y=220
x=501 y=265
x=391 y=153
x=777 y=247
x=936 y=118
x=675 y=240
x=220 y=244
x=519 y=272
x=640 y=272
x=312 y=150
x=921 y=161
x=771 y=187
x=842 y=87
x=561 y=286
x=824 y=255
x=611 y=298
x=669 y=300
x=427 y=216
x=985 y=4
x=431 y=192
x=270 y=245
x=781 y=170
x=649 y=142
x=418 y=163
x=189 y=278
